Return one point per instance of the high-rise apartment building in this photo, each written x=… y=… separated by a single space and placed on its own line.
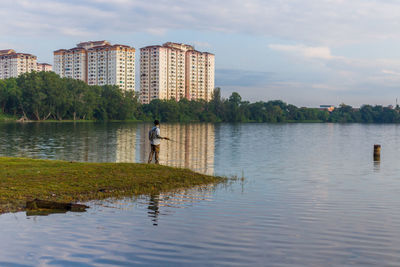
x=200 y=75
x=112 y=64
x=71 y=63
x=13 y=64
x=175 y=71
x=98 y=63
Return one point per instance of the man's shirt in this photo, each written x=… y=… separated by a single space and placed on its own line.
x=156 y=141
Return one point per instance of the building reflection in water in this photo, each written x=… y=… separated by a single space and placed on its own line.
x=105 y=143
x=126 y=143
x=191 y=146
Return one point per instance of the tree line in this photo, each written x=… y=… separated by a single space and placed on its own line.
x=44 y=95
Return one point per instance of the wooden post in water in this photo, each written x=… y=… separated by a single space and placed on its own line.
x=377 y=152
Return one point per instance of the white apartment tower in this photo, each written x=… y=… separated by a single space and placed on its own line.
x=162 y=73
x=71 y=63
x=13 y=64
x=175 y=71
x=98 y=63
x=200 y=75
x=112 y=64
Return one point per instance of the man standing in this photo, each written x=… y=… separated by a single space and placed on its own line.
x=155 y=141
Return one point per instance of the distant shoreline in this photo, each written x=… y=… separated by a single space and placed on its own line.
x=186 y=122
x=51 y=98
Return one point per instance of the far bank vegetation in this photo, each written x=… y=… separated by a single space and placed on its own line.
x=41 y=96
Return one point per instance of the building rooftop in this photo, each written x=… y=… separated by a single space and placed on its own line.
x=151 y=46
x=109 y=46
x=7 y=51
x=177 y=46
x=10 y=53
x=181 y=46
x=90 y=44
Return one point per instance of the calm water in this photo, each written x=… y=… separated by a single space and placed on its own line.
x=312 y=196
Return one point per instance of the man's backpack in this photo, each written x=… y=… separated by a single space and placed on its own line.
x=153 y=134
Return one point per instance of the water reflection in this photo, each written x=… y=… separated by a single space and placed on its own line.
x=311 y=198
x=47 y=212
x=377 y=166
x=178 y=199
x=126 y=143
x=162 y=204
x=154 y=209
x=192 y=145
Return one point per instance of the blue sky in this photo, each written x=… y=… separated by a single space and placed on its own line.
x=304 y=52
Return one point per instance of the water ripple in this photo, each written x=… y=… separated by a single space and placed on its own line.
x=312 y=196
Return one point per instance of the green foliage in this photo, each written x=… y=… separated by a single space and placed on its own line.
x=44 y=95
x=232 y=109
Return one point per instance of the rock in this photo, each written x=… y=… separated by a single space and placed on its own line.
x=37 y=204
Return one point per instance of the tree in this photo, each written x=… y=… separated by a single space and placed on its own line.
x=33 y=99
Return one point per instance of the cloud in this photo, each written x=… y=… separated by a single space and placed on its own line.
x=340 y=73
x=22 y=18
x=305 y=51
x=156 y=31
x=391 y=72
x=314 y=74
x=203 y=45
x=327 y=87
x=319 y=29
x=322 y=22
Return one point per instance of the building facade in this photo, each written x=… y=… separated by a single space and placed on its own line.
x=98 y=63
x=112 y=64
x=175 y=71
x=200 y=75
x=71 y=63
x=13 y=64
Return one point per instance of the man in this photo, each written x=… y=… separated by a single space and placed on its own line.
x=155 y=140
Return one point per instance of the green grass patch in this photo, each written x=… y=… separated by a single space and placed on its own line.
x=6 y=117
x=24 y=179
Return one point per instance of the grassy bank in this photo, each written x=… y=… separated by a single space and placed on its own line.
x=6 y=117
x=25 y=179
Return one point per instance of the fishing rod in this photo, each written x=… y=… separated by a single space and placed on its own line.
x=168 y=139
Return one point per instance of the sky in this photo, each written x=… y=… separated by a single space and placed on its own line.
x=304 y=52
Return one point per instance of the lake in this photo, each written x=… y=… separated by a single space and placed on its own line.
x=311 y=196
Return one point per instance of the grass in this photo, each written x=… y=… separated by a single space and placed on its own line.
x=6 y=117
x=24 y=179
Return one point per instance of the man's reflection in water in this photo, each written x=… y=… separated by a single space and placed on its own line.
x=154 y=208
x=377 y=166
